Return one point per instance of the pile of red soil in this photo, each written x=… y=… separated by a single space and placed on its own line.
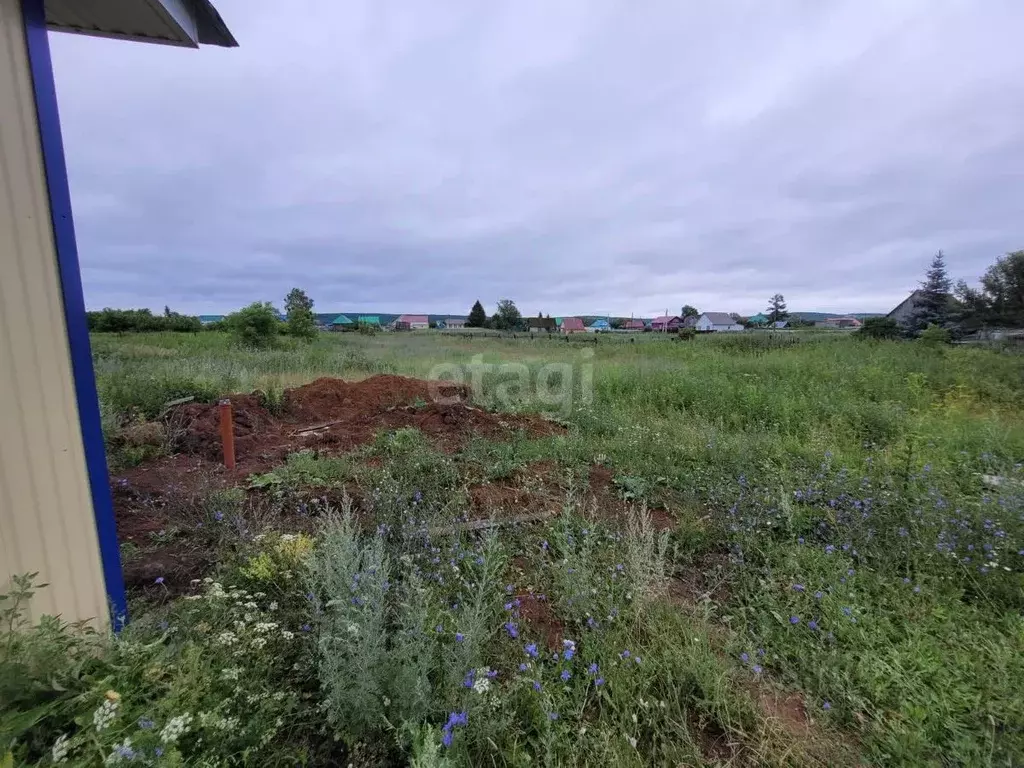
x=336 y=415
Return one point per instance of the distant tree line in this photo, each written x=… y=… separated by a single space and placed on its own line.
x=140 y=320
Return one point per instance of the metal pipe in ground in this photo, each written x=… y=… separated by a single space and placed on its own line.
x=227 y=433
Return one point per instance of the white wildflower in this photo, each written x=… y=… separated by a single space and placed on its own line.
x=106 y=712
x=175 y=727
x=230 y=674
x=272 y=606
x=632 y=741
x=265 y=626
x=251 y=606
x=482 y=684
x=259 y=642
x=287 y=635
x=60 y=749
x=227 y=639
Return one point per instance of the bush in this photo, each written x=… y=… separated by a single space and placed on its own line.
x=935 y=335
x=685 y=334
x=140 y=321
x=254 y=326
x=879 y=328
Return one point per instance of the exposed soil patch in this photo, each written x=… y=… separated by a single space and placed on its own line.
x=609 y=505
x=703 y=580
x=337 y=415
x=538 y=487
x=539 y=615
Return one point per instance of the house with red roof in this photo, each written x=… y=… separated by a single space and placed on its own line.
x=667 y=323
x=570 y=325
x=411 y=322
x=633 y=325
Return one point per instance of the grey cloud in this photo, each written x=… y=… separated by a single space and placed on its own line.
x=576 y=156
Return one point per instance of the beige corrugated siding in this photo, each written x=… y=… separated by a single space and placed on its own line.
x=46 y=517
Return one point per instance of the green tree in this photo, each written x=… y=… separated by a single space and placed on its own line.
x=933 y=305
x=689 y=311
x=298 y=307
x=254 y=326
x=507 y=318
x=1003 y=288
x=477 y=316
x=776 y=308
x=879 y=328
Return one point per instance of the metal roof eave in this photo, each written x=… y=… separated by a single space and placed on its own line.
x=186 y=23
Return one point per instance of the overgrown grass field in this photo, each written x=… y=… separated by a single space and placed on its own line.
x=842 y=580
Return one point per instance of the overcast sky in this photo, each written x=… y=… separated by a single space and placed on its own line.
x=577 y=156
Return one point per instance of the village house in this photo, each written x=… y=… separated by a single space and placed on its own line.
x=599 y=325
x=903 y=313
x=411 y=323
x=717 y=322
x=570 y=325
x=634 y=325
x=455 y=322
x=342 y=323
x=839 y=322
x=666 y=323
x=547 y=324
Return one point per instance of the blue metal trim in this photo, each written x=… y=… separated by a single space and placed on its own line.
x=74 y=303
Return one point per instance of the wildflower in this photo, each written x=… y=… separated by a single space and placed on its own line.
x=306 y=628
x=511 y=629
x=60 y=749
x=800 y=540
x=459 y=637
x=917 y=590
x=591 y=623
x=145 y=723
x=531 y=650
x=175 y=727
x=460 y=719
x=439 y=629
x=813 y=625
x=106 y=712
x=798 y=587
x=122 y=751
x=826 y=706
x=794 y=619
x=569 y=649
x=592 y=669
x=159 y=580
x=566 y=674
x=482 y=684
x=847 y=610
x=469 y=679
x=523 y=667
x=552 y=715
x=819 y=594
x=218 y=516
x=906 y=580
x=760 y=651
x=625 y=654
x=756 y=669
x=599 y=682
x=744 y=657
x=829 y=549
x=536 y=685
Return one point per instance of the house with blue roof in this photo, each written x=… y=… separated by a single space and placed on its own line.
x=599 y=325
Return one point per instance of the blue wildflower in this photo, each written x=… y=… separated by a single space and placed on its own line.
x=798 y=587
x=459 y=637
x=756 y=669
x=794 y=619
x=566 y=674
x=523 y=666
x=592 y=669
x=625 y=654
x=536 y=685
x=552 y=715
x=531 y=650
x=813 y=625
x=744 y=657
x=159 y=580
x=826 y=706
x=512 y=629
x=599 y=681
x=819 y=594
x=145 y=723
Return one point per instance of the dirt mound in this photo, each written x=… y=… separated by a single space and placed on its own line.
x=338 y=415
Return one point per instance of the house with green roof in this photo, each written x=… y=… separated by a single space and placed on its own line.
x=342 y=323
x=369 y=320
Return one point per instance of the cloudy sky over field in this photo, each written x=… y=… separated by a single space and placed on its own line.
x=577 y=156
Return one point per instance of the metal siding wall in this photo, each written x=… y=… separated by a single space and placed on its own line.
x=46 y=512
